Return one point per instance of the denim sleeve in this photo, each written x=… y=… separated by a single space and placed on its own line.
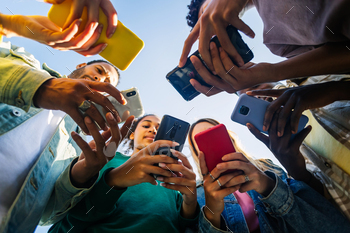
x=205 y=225
x=20 y=78
x=64 y=197
x=98 y=204
x=299 y=208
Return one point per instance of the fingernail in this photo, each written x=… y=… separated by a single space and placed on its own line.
x=79 y=22
x=111 y=34
x=214 y=73
x=161 y=164
x=279 y=134
x=264 y=128
x=73 y=133
x=241 y=63
x=160 y=178
x=174 y=152
x=176 y=144
x=219 y=166
x=88 y=120
x=162 y=184
x=248 y=125
x=220 y=49
x=212 y=45
x=110 y=116
x=103 y=47
x=248 y=92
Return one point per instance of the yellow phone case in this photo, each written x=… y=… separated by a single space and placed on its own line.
x=123 y=46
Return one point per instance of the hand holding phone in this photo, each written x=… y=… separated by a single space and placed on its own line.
x=252 y=110
x=215 y=142
x=180 y=77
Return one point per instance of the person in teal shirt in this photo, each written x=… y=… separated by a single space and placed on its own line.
x=128 y=198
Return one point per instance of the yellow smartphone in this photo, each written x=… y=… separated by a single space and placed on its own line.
x=123 y=46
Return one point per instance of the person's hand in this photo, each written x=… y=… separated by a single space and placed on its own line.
x=296 y=100
x=285 y=149
x=251 y=179
x=215 y=190
x=184 y=182
x=232 y=78
x=41 y=29
x=92 y=12
x=68 y=94
x=93 y=156
x=218 y=14
x=140 y=167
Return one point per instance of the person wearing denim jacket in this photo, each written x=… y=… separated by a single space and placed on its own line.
x=47 y=191
x=288 y=206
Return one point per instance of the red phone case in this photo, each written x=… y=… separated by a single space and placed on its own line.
x=214 y=142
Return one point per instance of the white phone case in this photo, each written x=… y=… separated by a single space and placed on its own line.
x=132 y=107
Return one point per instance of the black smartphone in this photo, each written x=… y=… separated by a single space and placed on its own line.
x=171 y=129
x=180 y=77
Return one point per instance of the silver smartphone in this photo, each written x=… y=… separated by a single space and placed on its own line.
x=132 y=107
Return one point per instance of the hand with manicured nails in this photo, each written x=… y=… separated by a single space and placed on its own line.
x=298 y=99
x=67 y=94
x=233 y=78
x=214 y=193
x=184 y=182
x=216 y=16
x=258 y=180
x=140 y=167
x=285 y=149
x=93 y=158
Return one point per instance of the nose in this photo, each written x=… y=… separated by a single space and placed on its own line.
x=153 y=130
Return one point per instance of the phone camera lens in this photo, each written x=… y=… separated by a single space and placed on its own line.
x=132 y=93
x=243 y=110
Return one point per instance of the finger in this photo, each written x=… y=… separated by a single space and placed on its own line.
x=241 y=26
x=112 y=17
x=83 y=145
x=223 y=179
x=226 y=191
x=274 y=139
x=108 y=88
x=104 y=102
x=179 y=168
x=93 y=11
x=178 y=180
x=284 y=115
x=76 y=11
x=64 y=36
x=296 y=115
x=113 y=125
x=95 y=115
x=234 y=156
x=126 y=126
x=260 y=136
x=299 y=138
x=273 y=107
x=106 y=134
x=99 y=141
x=202 y=163
x=182 y=189
x=220 y=70
x=78 y=118
x=228 y=46
x=208 y=91
x=231 y=68
x=152 y=148
x=151 y=169
x=192 y=37
x=237 y=164
x=182 y=157
x=236 y=181
x=203 y=46
x=93 y=50
x=92 y=40
x=267 y=92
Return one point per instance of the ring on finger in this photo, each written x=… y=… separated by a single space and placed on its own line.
x=205 y=174
x=218 y=182
x=211 y=176
x=246 y=178
x=84 y=106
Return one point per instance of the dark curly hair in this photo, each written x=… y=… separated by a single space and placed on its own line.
x=129 y=143
x=192 y=16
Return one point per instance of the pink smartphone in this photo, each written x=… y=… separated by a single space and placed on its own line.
x=214 y=142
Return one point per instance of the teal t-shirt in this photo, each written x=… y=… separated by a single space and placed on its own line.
x=140 y=208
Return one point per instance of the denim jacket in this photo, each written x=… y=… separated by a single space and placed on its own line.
x=47 y=192
x=292 y=206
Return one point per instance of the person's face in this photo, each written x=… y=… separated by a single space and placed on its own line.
x=145 y=132
x=99 y=72
x=199 y=128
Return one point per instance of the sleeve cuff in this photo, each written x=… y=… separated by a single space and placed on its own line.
x=103 y=196
x=281 y=198
x=206 y=226
x=186 y=222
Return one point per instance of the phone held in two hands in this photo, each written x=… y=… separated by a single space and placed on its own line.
x=180 y=78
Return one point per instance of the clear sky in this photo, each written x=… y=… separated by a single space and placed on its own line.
x=161 y=24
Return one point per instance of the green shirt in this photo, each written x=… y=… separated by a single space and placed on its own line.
x=140 y=208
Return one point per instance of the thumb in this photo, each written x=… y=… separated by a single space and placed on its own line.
x=241 y=26
x=202 y=163
x=67 y=34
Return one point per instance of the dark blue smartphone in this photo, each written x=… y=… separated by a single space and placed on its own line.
x=180 y=77
x=252 y=110
x=171 y=129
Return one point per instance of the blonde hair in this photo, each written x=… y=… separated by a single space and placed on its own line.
x=262 y=164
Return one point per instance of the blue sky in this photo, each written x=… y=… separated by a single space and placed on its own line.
x=161 y=24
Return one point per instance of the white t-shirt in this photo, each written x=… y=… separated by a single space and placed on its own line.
x=19 y=150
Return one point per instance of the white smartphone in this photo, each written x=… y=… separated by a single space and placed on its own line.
x=132 y=107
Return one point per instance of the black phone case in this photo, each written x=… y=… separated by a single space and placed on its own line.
x=171 y=129
x=180 y=77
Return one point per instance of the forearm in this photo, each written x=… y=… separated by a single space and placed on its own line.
x=327 y=59
x=188 y=211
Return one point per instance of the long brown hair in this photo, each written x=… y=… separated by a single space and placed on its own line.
x=262 y=164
